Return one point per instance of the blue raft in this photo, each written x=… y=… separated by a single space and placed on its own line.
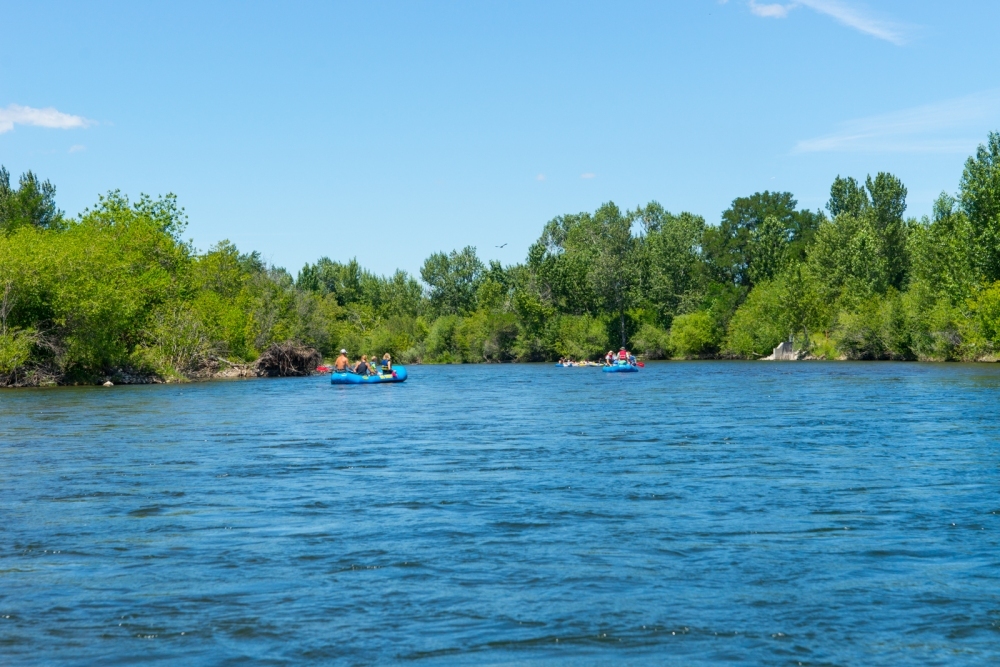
x=621 y=368
x=398 y=375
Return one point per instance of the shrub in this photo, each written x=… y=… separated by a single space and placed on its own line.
x=693 y=334
x=761 y=322
x=581 y=337
x=652 y=342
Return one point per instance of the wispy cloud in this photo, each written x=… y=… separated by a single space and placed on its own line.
x=588 y=175
x=770 y=10
x=76 y=148
x=850 y=15
x=15 y=114
x=857 y=18
x=540 y=177
x=952 y=126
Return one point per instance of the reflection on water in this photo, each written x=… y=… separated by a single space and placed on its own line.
x=694 y=513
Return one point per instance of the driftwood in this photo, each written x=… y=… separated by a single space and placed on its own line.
x=287 y=359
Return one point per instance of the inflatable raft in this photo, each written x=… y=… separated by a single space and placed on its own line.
x=621 y=368
x=398 y=375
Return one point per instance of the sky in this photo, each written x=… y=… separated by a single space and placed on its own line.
x=387 y=131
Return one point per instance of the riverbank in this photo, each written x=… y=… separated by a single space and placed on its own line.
x=279 y=360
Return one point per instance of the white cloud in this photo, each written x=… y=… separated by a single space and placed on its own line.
x=15 y=114
x=770 y=10
x=857 y=18
x=76 y=148
x=588 y=175
x=846 y=14
x=951 y=126
x=540 y=177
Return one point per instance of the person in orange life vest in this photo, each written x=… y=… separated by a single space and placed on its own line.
x=623 y=355
x=609 y=358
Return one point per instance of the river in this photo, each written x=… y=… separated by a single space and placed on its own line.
x=692 y=513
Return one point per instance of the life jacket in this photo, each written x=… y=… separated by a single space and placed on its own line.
x=623 y=355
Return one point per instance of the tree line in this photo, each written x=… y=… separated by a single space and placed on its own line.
x=117 y=289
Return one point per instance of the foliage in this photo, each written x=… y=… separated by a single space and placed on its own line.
x=117 y=290
x=761 y=322
x=693 y=334
x=980 y=199
x=32 y=204
x=453 y=281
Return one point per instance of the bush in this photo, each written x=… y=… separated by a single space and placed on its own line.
x=693 y=335
x=935 y=325
x=761 y=322
x=652 y=342
x=15 y=351
x=581 y=337
x=877 y=328
x=444 y=342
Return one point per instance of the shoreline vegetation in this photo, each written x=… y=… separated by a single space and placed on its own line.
x=117 y=294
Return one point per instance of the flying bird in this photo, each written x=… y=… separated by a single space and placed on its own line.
x=500 y=246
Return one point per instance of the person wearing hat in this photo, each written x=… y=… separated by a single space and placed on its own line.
x=342 y=364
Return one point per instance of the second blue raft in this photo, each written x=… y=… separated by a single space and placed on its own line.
x=398 y=375
x=621 y=368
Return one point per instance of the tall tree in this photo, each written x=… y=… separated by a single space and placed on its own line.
x=979 y=194
x=941 y=248
x=453 y=280
x=879 y=205
x=888 y=203
x=671 y=249
x=559 y=263
x=33 y=203
x=864 y=249
x=614 y=273
x=847 y=196
x=730 y=247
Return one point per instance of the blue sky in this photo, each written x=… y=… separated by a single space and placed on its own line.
x=388 y=131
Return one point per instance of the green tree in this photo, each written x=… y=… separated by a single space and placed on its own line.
x=979 y=194
x=453 y=280
x=560 y=263
x=942 y=252
x=614 y=273
x=33 y=203
x=732 y=249
x=673 y=274
x=863 y=250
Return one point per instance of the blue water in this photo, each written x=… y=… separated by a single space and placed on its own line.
x=692 y=513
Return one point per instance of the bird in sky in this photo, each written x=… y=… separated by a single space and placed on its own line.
x=500 y=246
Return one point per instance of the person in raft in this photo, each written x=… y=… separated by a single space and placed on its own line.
x=386 y=364
x=609 y=358
x=622 y=356
x=342 y=365
x=361 y=368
